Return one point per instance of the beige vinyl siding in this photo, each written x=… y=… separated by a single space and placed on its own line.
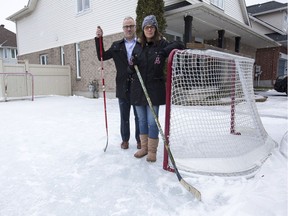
x=276 y=19
x=232 y=8
x=56 y=23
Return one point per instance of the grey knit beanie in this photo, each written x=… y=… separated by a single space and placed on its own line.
x=149 y=20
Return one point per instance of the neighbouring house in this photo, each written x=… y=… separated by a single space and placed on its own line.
x=62 y=32
x=8 y=45
x=270 y=19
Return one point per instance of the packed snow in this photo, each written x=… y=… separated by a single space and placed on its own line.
x=52 y=163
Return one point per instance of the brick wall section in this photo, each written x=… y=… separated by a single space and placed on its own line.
x=229 y=44
x=268 y=58
x=90 y=66
x=53 y=56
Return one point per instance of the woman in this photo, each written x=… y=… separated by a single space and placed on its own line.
x=150 y=55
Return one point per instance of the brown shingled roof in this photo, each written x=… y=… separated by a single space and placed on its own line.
x=7 y=38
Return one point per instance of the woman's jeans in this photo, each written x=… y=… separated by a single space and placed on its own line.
x=147 y=123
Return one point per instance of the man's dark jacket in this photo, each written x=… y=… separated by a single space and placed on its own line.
x=118 y=52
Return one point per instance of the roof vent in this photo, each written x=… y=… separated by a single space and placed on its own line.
x=2 y=25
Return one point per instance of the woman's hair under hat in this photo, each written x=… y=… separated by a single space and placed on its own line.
x=150 y=20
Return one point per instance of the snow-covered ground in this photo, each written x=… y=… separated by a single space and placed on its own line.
x=52 y=163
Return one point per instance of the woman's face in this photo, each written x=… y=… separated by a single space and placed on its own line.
x=149 y=32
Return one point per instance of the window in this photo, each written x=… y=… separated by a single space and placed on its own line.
x=170 y=36
x=9 y=53
x=285 y=25
x=14 y=53
x=43 y=59
x=83 y=5
x=5 y=53
x=62 y=55
x=78 y=71
x=218 y=3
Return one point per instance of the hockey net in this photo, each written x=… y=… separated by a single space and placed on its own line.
x=212 y=124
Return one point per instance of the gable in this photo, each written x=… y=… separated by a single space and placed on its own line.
x=7 y=38
x=56 y=23
x=266 y=7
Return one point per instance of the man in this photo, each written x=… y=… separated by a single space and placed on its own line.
x=121 y=52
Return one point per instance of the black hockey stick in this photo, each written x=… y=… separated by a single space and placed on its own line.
x=188 y=187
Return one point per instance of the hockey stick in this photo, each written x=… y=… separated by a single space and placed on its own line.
x=103 y=89
x=188 y=187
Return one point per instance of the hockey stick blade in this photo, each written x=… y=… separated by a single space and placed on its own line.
x=196 y=193
x=106 y=145
x=191 y=189
x=188 y=187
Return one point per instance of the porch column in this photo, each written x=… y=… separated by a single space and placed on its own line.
x=221 y=38
x=237 y=44
x=188 y=29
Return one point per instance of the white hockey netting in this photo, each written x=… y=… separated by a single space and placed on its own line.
x=212 y=122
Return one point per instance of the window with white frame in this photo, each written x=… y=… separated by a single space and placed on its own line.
x=171 y=36
x=43 y=59
x=218 y=3
x=78 y=71
x=5 y=53
x=62 y=53
x=9 y=53
x=14 y=53
x=83 y=5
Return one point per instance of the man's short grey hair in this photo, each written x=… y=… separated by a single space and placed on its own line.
x=128 y=18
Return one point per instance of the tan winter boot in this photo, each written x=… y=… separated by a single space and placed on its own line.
x=152 y=149
x=144 y=146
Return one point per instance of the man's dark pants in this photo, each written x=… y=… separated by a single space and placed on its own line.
x=125 y=107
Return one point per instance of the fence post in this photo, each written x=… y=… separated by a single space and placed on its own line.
x=26 y=63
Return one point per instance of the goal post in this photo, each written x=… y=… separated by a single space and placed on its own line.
x=212 y=124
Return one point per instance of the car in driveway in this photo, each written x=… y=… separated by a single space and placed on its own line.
x=281 y=84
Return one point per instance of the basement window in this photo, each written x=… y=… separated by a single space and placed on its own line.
x=78 y=71
x=43 y=59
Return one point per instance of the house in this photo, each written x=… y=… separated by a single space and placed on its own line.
x=62 y=32
x=8 y=45
x=270 y=19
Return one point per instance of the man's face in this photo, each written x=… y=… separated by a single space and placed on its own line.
x=129 y=28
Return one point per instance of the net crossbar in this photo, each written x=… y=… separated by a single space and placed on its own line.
x=212 y=124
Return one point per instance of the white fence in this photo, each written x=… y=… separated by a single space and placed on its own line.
x=24 y=80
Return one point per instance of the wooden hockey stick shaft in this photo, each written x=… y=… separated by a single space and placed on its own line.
x=188 y=187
